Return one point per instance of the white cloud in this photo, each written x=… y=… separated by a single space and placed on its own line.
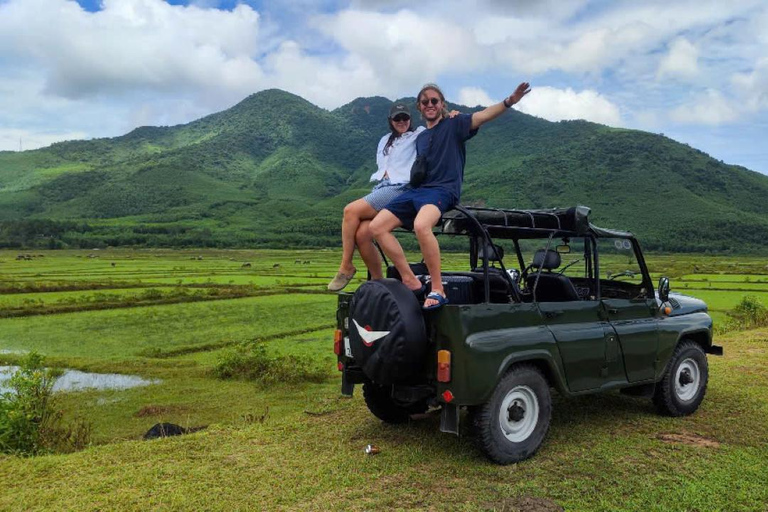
x=323 y=82
x=557 y=104
x=131 y=44
x=404 y=47
x=710 y=108
x=681 y=60
x=752 y=87
x=473 y=96
x=67 y=71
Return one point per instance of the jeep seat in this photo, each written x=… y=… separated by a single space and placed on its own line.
x=501 y=288
x=551 y=287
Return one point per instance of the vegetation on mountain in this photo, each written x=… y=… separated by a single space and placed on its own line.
x=275 y=171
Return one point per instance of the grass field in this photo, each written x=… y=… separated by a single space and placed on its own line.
x=170 y=315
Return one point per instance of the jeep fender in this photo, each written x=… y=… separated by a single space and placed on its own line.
x=696 y=327
x=543 y=360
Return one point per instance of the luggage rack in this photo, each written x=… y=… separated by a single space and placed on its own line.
x=459 y=220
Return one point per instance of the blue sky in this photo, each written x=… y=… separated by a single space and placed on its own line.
x=694 y=70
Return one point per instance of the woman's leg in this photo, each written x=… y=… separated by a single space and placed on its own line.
x=368 y=251
x=354 y=213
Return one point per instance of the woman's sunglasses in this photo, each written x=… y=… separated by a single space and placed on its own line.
x=427 y=101
x=400 y=118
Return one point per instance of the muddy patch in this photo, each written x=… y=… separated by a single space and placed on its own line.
x=689 y=439
x=526 y=504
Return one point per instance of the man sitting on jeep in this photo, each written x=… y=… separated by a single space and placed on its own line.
x=443 y=146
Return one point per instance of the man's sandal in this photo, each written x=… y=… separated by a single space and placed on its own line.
x=442 y=300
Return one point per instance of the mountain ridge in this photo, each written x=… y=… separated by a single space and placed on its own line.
x=275 y=169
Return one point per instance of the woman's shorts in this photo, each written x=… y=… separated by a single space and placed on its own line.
x=383 y=193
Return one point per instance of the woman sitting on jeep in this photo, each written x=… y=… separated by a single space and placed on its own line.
x=394 y=157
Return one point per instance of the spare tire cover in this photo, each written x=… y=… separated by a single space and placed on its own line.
x=387 y=335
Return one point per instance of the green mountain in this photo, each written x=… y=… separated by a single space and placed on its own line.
x=276 y=170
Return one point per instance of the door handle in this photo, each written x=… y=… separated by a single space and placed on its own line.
x=553 y=314
x=613 y=311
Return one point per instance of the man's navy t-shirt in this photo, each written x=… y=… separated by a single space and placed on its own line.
x=446 y=154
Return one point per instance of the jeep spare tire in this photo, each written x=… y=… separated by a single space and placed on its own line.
x=387 y=335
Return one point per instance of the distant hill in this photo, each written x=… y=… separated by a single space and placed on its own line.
x=276 y=170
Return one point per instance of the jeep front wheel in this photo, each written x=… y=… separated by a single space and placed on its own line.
x=513 y=423
x=682 y=388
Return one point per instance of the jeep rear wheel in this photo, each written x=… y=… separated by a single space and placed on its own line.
x=513 y=423
x=682 y=388
x=380 y=403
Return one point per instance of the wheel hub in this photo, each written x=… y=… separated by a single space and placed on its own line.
x=688 y=380
x=516 y=411
x=519 y=414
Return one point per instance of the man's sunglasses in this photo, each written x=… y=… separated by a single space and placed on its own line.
x=427 y=101
x=400 y=118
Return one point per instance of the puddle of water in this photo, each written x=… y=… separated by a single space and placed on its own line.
x=75 y=380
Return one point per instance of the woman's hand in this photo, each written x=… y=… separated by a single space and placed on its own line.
x=453 y=113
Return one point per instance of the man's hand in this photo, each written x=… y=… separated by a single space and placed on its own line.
x=494 y=111
x=522 y=89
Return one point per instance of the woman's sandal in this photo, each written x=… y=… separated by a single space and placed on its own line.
x=340 y=281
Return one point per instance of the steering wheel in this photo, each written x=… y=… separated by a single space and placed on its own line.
x=569 y=265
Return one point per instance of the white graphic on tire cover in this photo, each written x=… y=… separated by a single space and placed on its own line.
x=369 y=337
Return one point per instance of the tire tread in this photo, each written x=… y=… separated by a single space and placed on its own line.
x=483 y=422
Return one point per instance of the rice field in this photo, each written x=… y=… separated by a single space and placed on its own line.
x=170 y=315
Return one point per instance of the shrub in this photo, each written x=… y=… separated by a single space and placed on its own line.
x=250 y=361
x=30 y=423
x=750 y=313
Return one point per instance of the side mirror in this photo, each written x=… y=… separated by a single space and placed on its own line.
x=663 y=289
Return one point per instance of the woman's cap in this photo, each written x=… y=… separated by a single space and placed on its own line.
x=399 y=108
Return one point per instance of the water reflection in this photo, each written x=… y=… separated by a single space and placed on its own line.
x=75 y=380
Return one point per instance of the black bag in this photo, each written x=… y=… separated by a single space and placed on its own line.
x=419 y=171
x=419 y=168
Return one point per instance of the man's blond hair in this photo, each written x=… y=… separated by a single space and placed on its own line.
x=432 y=87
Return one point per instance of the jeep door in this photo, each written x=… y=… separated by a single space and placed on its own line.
x=627 y=298
x=578 y=323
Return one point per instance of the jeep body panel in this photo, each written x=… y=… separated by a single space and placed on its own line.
x=636 y=325
x=484 y=340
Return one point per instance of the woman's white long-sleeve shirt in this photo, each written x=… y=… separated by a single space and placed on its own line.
x=399 y=159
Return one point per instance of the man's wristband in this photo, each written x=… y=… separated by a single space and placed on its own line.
x=508 y=105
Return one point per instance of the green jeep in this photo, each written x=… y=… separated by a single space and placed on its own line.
x=573 y=309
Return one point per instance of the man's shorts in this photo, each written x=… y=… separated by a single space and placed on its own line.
x=407 y=205
x=383 y=193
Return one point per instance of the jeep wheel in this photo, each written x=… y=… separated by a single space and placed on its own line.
x=380 y=403
x=684 y=383
x=513 y=423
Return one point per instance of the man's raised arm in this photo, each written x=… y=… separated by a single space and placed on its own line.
x=494 y=111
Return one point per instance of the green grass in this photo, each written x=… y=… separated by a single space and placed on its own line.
x=602 y=453
x=605 y=452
